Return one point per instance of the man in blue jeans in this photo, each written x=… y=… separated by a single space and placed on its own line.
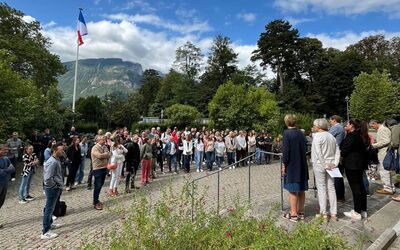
x=99 y=156
x=53 y=179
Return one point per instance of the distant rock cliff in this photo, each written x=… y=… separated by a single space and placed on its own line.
x=100 y=77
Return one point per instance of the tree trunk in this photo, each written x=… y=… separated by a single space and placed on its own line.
x=280 y=77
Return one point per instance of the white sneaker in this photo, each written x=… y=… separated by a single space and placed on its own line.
x=76 y=183
x=198 y=171
x=23 y=202
x=353 y=215
x=48 y=235
x=12 y=179
x=201 y=170
x=364 y=214
x=219 y=168
x=54 y=218
x=234 y=167
x=230 y=167
x=55 y=226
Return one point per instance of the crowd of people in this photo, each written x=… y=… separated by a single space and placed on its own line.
x=351 y=149
x=120 y=154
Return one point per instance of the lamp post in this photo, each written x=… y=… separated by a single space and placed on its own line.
x=162 y=115
x=347 y=106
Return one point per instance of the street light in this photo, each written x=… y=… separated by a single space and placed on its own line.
x=162 y=115
x=347 y=106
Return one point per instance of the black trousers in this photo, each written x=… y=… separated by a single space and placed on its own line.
x=90 y=176
x=3 y=193
x=73 y=168
x=339 y=185
x=160 y=162
x=14 y=162
x=131 y=168
x=355 y=178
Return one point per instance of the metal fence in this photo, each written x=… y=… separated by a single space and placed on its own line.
x=249 y=180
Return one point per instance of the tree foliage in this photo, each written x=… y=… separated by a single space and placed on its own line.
x=188 y=59
x=29 y=48
x=373 y=97
x=235 y=107
x=182 y=115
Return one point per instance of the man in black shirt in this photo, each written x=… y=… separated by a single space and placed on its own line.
x=132 y=159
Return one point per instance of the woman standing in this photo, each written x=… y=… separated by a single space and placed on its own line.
x=251 y=145
x=159 y=157
x=187 y=152
x=84 y=149
x=325 y=155
x=220 y=150
x=354 y=156
x=199 y=153
x=30 y=163
x=118 y=151
x=74 y=155
x=294 y=168
x=210 y=152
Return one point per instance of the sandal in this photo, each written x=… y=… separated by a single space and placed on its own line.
x=300 y=216
x=397 y=198
x=290 y=217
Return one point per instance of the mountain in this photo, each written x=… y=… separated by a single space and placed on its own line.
x=100 y=77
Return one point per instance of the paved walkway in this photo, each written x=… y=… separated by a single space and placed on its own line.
x=23 y=222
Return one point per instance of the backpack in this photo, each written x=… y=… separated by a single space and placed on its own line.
x=391 y=160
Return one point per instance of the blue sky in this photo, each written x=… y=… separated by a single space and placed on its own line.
x=149 y=32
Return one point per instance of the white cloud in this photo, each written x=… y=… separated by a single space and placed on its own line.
x=183 y=28
x=138 y=5
x=247 y=17
x=49 y=25
x=28 y=19
x=126 y=40
x=342 y=40
x=347 y=7
x=294 y=21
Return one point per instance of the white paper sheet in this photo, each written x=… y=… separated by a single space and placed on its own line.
x=335 y=173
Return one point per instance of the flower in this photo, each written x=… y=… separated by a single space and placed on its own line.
x=228 y=234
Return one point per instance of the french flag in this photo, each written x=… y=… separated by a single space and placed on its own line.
x=81 y=28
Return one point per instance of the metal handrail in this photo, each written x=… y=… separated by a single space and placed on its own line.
x=217 y=172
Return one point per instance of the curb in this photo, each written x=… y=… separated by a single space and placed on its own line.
x=386 y=238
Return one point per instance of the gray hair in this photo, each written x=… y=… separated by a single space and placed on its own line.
x=321 y=123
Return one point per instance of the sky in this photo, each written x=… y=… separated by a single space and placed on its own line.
x=149 y=32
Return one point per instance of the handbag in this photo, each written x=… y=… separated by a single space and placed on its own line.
x=112 y=165
x=391 y=160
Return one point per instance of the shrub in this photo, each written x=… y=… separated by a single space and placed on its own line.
x=167 y=224
x=87 y=127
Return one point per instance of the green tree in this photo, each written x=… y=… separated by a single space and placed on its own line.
x=182 y=115
x=235 y=107
x=25 y=42
x=221 y=66
x=188 y=59
x=373 y=96
x=277 y=49
x=91 y=109
x=150 y=86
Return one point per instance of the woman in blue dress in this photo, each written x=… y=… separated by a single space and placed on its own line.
x=294 y=168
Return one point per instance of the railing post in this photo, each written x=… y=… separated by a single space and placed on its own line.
x=218 y=192
x=280 y=157
x=249 y=182
x=192 y=200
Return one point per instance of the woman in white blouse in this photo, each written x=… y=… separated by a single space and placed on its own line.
x=325 y=156
x=187 y=152
x=118 y=151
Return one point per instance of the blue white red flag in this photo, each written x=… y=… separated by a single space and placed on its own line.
x=81 y=28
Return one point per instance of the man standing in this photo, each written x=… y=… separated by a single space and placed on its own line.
x=268 y=147
x=230 y=142
x=99 y=155
x=14 y=146
x=383 y=137
x=132 y=159
x=53 y=179
x=395 y=143
x=338 y=132
x=6 y=168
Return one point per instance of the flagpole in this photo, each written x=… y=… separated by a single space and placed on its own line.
x=76 y=76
